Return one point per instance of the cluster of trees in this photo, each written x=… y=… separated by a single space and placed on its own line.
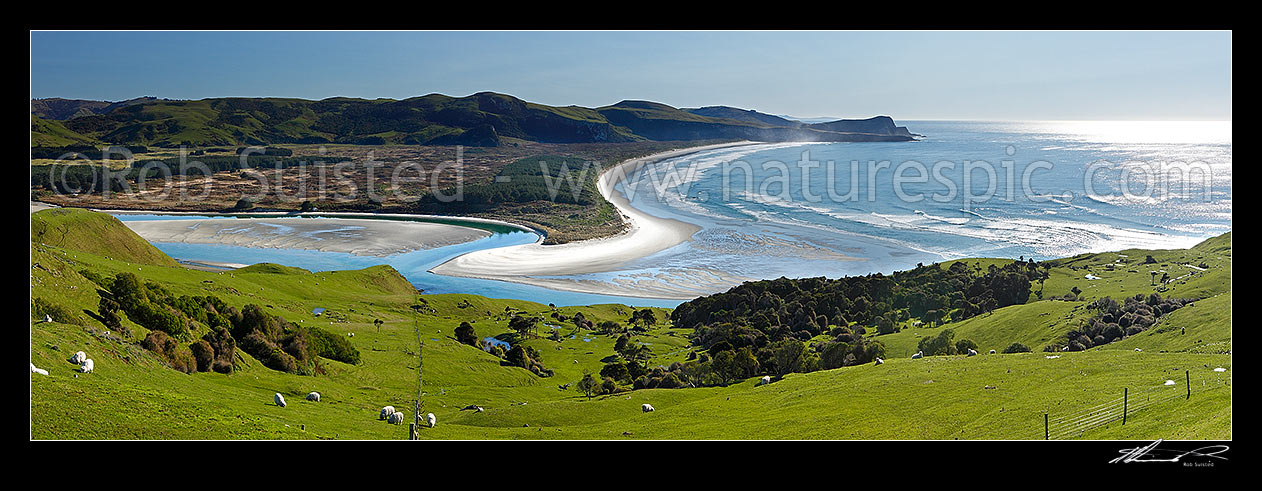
x=945 y=344
x=173 y=320
x=1114 y=321
x=805 y=308
x=520 y=355
x=557 y=179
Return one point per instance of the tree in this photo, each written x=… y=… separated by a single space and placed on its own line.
x=938 y=345
x=589 y=385
x=616 y=370
x=523 y=326
x=620 y=346
x=244 y=204
x=724 y=365
x=746 y=363
x=644 y=316
x=788 y=354
x=466 y=335
x=1019 y=348
x=963 y=345
x=609 y=386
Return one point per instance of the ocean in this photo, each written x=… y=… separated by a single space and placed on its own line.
x=1032 y=190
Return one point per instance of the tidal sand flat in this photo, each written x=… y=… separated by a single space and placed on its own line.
x=539 y=265
x=364 y=237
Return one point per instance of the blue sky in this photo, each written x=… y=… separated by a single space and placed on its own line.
x=907 y=75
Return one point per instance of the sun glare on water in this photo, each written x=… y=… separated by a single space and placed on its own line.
x=1204 y=132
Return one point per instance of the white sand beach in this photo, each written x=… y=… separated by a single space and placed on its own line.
x=365 y=237
x=646 y=235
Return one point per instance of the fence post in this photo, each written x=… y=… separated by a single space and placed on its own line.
x=1124 y=401
x=1188 y=375
x=411 y=431
x=1046 y=435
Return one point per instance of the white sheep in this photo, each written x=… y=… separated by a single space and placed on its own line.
x=879 y=361
x=313 y=397
x=386 y=412
x=918 y=355
x=78 y=358
x=396 y=418
x=648 y=408
x=972 y=352
x=992 y=351
x=431 y=420
x=87 y=366
x=279 y=399
x=764 y=380
x=40 y=371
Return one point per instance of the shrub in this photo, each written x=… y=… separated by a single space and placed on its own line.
x=221 y=366
x=203 y=353
x=1017 y=348
x=58 y=312
x=465 y=334
x=963 y=345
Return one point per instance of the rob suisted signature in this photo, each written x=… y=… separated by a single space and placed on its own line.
x=1150 y=453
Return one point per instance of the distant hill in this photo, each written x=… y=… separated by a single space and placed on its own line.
x=51 y=133
x=480 y=119
x=747 y=115
x=60 y=109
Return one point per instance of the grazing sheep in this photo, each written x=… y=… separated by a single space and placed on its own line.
x=992 y=351
x=918 y=355
x=1065 y=348
x=396 y=418
x=87 y=366
x=472 y=407
x=386 y=412
x=78 y=358
x=431 y=420
x=313 y=397
x=648 y=408
x=764 y=380
x=47 y=318
x=1169 y=382
x=879 y=361
x=279 y=399
x=1137 y=349
x=972 y=352
x=40 y=371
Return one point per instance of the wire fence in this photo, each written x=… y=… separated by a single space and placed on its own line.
x=1125 y=406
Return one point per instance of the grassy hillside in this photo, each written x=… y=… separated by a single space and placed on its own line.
x=99 y=233
x=51 y=133
x=133 y=394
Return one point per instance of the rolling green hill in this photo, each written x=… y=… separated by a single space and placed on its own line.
x=51 y=133
x=480 y=119
x=98 y=233
x=133 y=394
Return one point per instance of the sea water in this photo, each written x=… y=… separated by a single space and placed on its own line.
x=1054 y=189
